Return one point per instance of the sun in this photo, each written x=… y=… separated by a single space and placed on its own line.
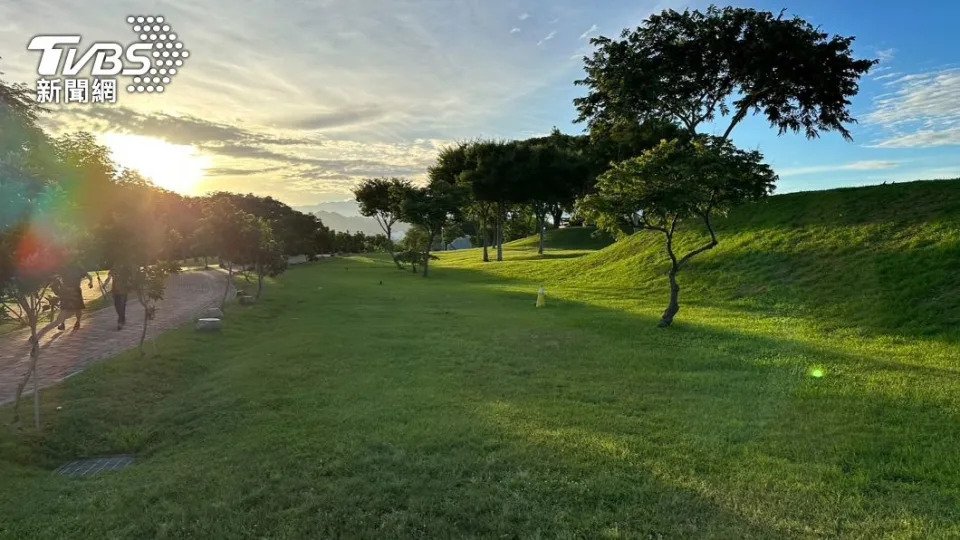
x=179 y=168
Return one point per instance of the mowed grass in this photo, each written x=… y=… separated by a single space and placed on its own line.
x=790 y=399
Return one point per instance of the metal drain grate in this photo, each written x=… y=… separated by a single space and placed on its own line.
x=93 y=467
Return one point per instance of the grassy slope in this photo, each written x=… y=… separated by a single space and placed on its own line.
x=880 y=260
x=452 y=407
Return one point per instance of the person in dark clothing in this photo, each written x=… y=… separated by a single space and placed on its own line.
x=71 y=298
x=119 y=276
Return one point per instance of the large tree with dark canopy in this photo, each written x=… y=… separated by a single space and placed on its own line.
x=720 y=66
x=717 y=67
x=494 y=179
x=549 y=178
x=674 y=182
x=431 y=208
x=382 y=199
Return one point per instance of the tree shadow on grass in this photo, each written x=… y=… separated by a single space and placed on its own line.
x=912 y=293
x=741 y=411
x=488 y=417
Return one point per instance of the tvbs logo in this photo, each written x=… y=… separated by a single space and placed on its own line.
x=107 y=57
x=152 y=61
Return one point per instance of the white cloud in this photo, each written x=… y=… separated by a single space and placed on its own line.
x=548 y=37
x=886 y=55
x=514 y=30
x=922 y=139
x=586 y=34
x=437 y=71
x=888 y=76
x=919 y=110
x=853 y=166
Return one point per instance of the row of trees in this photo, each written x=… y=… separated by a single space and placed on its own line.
x=65 y=203
x=646 y=163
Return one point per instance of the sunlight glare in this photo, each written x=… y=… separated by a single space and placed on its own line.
x=175 y=167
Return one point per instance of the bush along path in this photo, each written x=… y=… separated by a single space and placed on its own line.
x=66 y=353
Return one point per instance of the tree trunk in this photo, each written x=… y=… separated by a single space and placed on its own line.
x=499 y=233
x=426 y=255
x=31 y=371
x=34 y=355
x=223 y=302
x=146 y=320
x=557 y=215
x=259 y=281
x=542 y=223
x=36 y=399
x=674 y=305
x=675 y=266
x=482 y=231
x=390 y=249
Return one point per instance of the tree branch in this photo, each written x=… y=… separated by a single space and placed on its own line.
x=382 y=222
x=710 y=245
x=741 y=114
x=709 y=108
x=687 y=122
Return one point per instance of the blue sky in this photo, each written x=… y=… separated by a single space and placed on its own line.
x=301 y=100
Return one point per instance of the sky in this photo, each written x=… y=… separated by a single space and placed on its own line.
x=302 y=99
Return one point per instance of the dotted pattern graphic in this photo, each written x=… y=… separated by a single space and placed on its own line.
x=168 y=53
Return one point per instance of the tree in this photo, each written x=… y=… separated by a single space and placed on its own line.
x=268 y=257
x=549 y=182
x=382 y=199
x=323 y=238
x=233 y=232
x=29 y=253
x=133 y=236
x=431 y=207
x=494 y=179
x=412 y=247
x=581 y=149
x=173 y=246
x=149 y=283
x=202 y=244
x=696 y=67
x=674 y=182
x=28 y=262
x=25 y=154
x=296 y=233
x=457 y=165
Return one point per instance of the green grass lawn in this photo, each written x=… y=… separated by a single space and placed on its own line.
x=451 y=407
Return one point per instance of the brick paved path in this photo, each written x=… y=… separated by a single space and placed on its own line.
x=66 y=353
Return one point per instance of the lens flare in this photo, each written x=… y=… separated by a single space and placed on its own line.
x=38 y=252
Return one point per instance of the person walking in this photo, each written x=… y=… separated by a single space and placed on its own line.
x=71 y=298
x=119 y=282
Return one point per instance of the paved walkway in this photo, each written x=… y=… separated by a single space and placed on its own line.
x=66 y=353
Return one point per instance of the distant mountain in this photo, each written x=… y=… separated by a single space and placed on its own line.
x=340 y=222
x=344 y=208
